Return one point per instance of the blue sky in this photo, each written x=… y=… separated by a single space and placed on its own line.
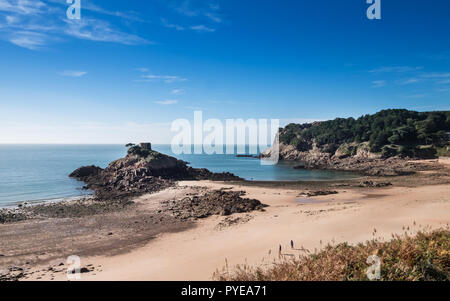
x=127 y=69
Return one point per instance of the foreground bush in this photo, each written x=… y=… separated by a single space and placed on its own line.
x=425 y=257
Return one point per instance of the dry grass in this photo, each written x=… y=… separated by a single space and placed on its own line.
x=425 y=256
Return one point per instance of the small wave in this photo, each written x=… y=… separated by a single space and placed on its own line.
x=46 y=201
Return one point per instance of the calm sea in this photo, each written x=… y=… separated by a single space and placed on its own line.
x=40 y=172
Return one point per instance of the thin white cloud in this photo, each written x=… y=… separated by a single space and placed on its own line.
x=443 y=90
x=177 y=91
x=202 y=28
x=29 y=40
x=436 y=75
x=416 y=96
x=34 y=24
x=73 y=73
x=444 y=82
x=395 y=69
x=409 y=81
x=166 y=78
x=22 y=7
x=172 y=26
x=101 y=31
x=204 y=11
x=214 y=17
x=167 y=102
x=89 y=6
x=378 y=83
x=11 y=19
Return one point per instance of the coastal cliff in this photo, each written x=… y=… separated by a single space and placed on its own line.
x=379 y=144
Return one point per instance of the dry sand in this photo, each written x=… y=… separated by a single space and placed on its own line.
x=350 y=216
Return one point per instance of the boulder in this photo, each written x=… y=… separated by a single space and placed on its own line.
x=85 y=171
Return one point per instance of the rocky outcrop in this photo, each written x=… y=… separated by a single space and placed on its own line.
x=360 y=160
x=372 y=184
x=142 y=171
x=12 y=274
x=11 y=216
x=318 y=193
x=85 y=172
x=217 y=202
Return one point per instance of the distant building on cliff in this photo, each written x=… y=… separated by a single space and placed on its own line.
x=145 y=145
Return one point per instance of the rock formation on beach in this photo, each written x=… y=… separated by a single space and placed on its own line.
x=217 y=202
x=143 y=170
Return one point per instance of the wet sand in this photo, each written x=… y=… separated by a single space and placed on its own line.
x=353 y=215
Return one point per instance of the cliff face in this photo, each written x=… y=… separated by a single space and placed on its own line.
x=362 y=161
x=378 y=144
x=386 y=134
x=142 y=171
x=317 y=156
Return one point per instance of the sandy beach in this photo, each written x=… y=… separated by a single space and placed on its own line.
x=354 y=214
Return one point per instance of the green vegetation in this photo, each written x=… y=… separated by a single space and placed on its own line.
x=443 y=151
x=389 y=132
x=425 y=257
x=144 y=153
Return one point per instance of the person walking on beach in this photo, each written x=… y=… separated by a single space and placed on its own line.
x=279 y=251
x=292 y=244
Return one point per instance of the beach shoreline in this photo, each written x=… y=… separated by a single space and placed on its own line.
x=141 y=241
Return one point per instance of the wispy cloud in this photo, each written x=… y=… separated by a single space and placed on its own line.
x=173 y=26
x=34 y=24
x=214 y=17
x=168 y=79
x=167 y=102
x=177 y=91
x=443 y=90
x=73 y=73
x=444 y=56
x=436 y=75
x=89 y=6
x=444 y=82
x=409 y=81
x=202 y=28
x=22 y=7
x=28 y=39
x=202 y=11
x=97 y=30
x=415 y=96
x=378 y=83
x=395 y=69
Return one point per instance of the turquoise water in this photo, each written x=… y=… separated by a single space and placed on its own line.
x=40 y=172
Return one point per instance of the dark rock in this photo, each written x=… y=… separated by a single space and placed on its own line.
x=318 y=193
x=373 y=184
x=301 y=166
x=78 y=208
x=142 y=171
x=84 y=270
x=13 y=216
x=85 y=171
x=217 y=202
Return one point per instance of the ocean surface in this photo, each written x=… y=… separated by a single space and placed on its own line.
x=33 y=173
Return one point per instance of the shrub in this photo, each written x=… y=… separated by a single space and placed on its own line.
x=423 y=257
